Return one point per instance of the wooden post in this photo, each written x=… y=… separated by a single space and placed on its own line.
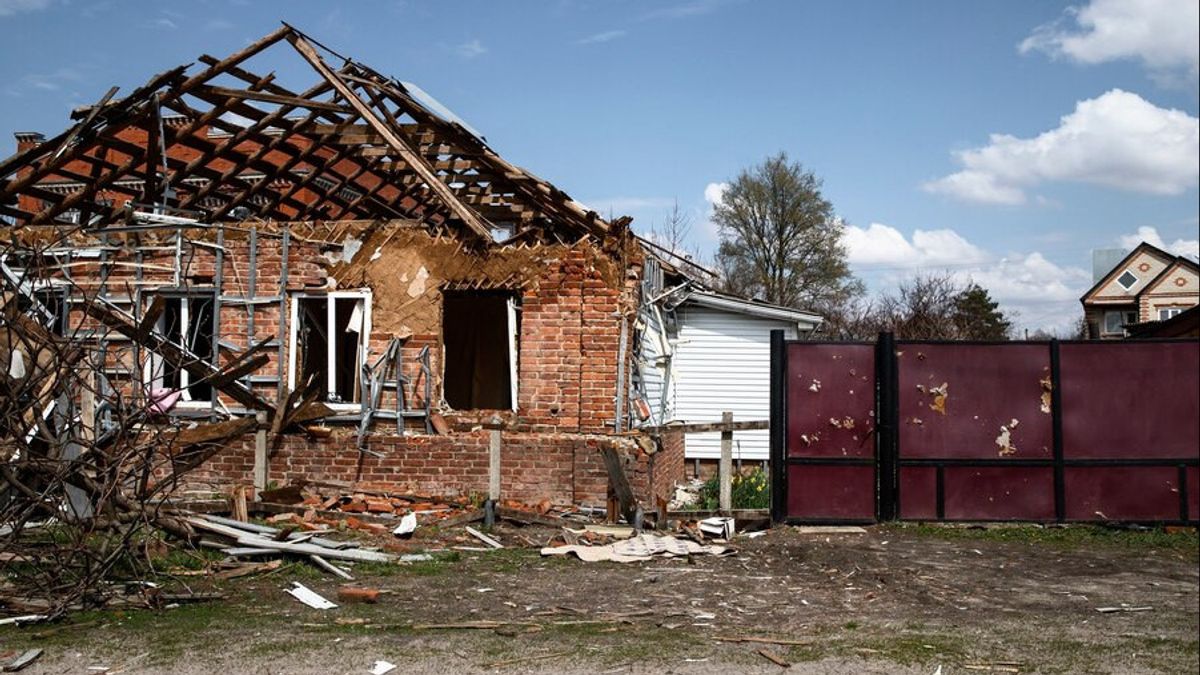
x=725 y=468
x=87 y=410
x=493 y=473
x=260 y=454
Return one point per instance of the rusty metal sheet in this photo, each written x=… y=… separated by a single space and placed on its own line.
x=830 y=492
x=831 y=400
x=975 y=401
x=999 y=493
x=1122 y=493
x=1125 y=400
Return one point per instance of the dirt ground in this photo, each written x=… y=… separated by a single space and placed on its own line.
x=897 y=599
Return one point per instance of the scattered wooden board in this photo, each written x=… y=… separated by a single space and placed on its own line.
x=484 y=538
x=774 y=659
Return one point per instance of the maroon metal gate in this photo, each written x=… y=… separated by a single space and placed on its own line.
x=1031 y=431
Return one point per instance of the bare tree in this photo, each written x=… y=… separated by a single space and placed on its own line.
x=86 y=464
x=675 y=232
x=925 y=307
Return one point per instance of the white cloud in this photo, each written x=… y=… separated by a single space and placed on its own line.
x=53 y=81
x=715 y=192
x=164 y=22
x=10 y=7
x=606 y=36
x=469 y=50
x=1150 y=235
x=1023 y=278
x=685 y=9
x=1163 y=34
x=1117 y=139
x=1034 y=291
x=880 y=244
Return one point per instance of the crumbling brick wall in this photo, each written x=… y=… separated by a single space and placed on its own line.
x=563 y=468
x=574 y=299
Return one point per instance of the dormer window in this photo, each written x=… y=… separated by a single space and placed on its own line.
x=1127 y=280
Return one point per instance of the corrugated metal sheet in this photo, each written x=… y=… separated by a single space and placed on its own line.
x=723 y=362
x=653 y=365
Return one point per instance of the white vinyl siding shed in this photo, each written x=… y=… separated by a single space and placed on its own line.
x=723 y=362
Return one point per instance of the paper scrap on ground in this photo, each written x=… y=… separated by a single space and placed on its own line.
x=309 y=597
x=408 y=524
x=382 y=667
x=641 y=547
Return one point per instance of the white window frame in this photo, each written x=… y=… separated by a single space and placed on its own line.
x=513 y=343
x=1169 y=312
x=154 y=368
x=364 y=337
x=1130 y=272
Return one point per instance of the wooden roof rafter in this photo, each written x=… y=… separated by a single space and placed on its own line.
x=356 y=145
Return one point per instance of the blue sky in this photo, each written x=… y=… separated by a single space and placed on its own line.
x=999 y=140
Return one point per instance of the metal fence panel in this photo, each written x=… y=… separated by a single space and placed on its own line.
x=1126 y=400
x=1034 y=431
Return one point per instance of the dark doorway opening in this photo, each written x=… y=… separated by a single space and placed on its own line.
x=479 y=333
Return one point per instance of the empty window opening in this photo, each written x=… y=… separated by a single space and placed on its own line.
x=479 y=336
x=186 y=320
x=329 y=343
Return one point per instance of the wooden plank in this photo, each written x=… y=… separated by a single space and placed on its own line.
x=267 y=97
x=725 y=466
x=484 y=538
x=212 y=433
x=260 y=453
x=494 y=465
x=472 y=220
x=701 y=427
x=619 y=482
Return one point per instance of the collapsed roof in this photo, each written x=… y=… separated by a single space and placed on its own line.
x=224 y=143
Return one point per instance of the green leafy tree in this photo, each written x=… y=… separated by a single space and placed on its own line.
x=978 y=317
x=780 y=240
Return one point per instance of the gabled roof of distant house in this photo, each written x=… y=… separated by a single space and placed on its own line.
x=1169 y=259
x=232 y=144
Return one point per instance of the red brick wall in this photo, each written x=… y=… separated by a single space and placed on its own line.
x=570 y=327
x=564 y=468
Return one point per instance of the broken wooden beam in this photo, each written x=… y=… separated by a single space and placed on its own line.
x=703 y=427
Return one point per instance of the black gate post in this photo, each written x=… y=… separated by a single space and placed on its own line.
x=887 y=425
x=778 y=431
x=1056 y=421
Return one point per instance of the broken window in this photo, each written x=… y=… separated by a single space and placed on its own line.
x=187 y=319
x=479 y=338
x=329 y=342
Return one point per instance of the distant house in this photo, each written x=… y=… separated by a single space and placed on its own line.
x=700 y=353
x=1147 y=285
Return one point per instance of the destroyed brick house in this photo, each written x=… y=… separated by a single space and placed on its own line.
x=373 y=282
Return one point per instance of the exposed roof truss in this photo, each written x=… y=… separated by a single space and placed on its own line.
x=230 y=144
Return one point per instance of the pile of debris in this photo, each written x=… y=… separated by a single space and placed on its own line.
x=321 y=503
x=239 y=540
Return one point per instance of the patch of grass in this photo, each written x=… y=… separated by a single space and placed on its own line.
x=747 y=491
x=1069 y=536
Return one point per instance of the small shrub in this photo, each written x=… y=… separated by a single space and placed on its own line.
x=749 y=491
